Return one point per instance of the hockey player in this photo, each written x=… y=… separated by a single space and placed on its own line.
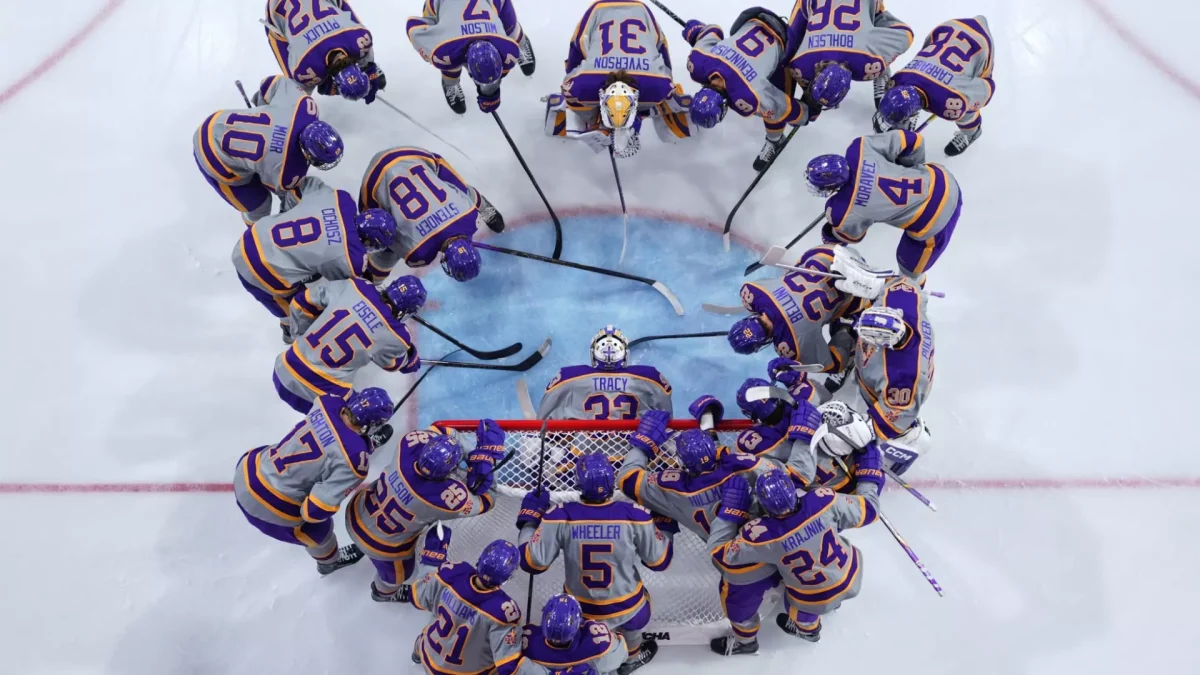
x=951 y=77
x=414 y=491
x=248 y=155
x=799 y=539
x=749 y=72
x=609 y=389
x=842 y=41
x=473 y=625
x=884 y=178
x=618 y=74
x=322 y=237
x=566 y=643
x=333 y=50
x=436 y=212
x=340 y=327
x=291 y=490
x=791 y=312
x=482 y=35
x=600 y=553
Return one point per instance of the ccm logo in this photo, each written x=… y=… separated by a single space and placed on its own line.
x=656 y=636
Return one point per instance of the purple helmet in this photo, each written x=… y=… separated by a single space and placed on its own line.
x=759 y=411
x=352 y=82
x=406 y=295
x=460 y=260
x=830 y=87
x=697 y=451
x=497 y=563
x=376 y=229
x=708 y=108
x=776 y=493
x=484 y=64
x=748 y=336
x=826 y=174
x=321 y=145
x=595 y=477
x=899 y=104
x=561 y=618
x=438 y=458
x=371 y=408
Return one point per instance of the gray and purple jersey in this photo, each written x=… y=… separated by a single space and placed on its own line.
x=859 y=34
x=601 y=545
x=316 y=238
x=594 y=645
x=340 y=327
x=234 y=146
x=612 y=36
x=591 y=393
x=431 y=203
x=799 y=306
x=304 y=34
x=386 y=518
x=471 y=630
x=891 y=183
x=953 y=71
x=446 y=28
x=304 y=477
x=894 y=383
x=819 y=567
x=753 y=64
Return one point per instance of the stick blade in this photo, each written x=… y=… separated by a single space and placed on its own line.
x=525 y=400
x=767 y=393
x=624 y=240
x=773 y=256
x=725 y=240
x=752 y=268
x=723 y=310
x=670 y=296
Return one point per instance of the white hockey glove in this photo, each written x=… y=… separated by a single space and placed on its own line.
x=598 y=141
x=882 y=326
x=860 y=281
x=838 y=415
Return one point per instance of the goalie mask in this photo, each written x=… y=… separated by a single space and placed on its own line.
x=619 y=112
x=609 y=349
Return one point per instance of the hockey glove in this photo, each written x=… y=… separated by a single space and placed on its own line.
x=413 y=364
x=869 y=467
x=692 y=31
x=377 y=80
x=597 y=140
x=533 y=506
x=859 y=280
x=709 y=404
x=780 y=370
x=735 y=500
x=805 y=422
x=489 y=103
x=666 y=524
x=651 y=432
x=434 y=552
x=838 y=415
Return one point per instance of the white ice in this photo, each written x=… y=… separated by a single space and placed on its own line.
x=136 y=357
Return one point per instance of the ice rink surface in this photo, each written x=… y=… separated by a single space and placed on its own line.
x=1065 y=467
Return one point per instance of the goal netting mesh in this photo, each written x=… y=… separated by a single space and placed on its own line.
x=684 y=598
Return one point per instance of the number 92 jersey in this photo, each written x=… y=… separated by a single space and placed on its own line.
x=954 y=69
x=895 y=382
x=590 y=393
x=303 y=33
x=429 y=200
x=616 y=35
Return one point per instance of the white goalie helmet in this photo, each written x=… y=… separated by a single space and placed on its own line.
x=609 y=349
x=882 y=326
x=619 y=112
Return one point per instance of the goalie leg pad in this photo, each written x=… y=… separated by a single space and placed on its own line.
x=902 y=451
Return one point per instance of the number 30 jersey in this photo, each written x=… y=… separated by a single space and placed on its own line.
x=471 y=630
x=429 y=200
x=590 y=393
x=894 y=383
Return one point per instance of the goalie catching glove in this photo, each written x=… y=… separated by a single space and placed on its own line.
x=860 y=281
x=838 y=415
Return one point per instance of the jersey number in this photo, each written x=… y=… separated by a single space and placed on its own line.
x=952 y=56
x=831 y=550
x=298 y=17
x=597 y=574
x=753 y=43
x=411 y=200
x=819 y=15
x=701 y=519
x=389 y=515
x=441 y=630
x=245 y=144
x=342 y=340
x=900 y=191
x=282 y=462
x=474 y=12
x=815 y=296
x=296 y=232
x=628 y=37
x=609 y=407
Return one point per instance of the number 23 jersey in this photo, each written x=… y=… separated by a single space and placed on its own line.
x=590 y=393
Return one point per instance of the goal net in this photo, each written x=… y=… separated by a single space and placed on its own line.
x=684 y=598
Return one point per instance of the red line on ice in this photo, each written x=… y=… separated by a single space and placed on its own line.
x=61 y=52
x=1136 y=43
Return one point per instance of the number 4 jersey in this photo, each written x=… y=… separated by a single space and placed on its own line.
x=590 y=393
x=472 y=630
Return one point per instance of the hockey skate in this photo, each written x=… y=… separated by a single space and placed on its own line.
x=644 y=655
x=881 y=87
x=785 y=623
x=455 y=98
x=959 y=144
x=346 y=556
x=729 y=646
x=491 y=217
x=402 y=594
x=768 y=152
x=527 y=60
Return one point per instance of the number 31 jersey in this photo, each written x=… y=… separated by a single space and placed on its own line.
x=590 y=393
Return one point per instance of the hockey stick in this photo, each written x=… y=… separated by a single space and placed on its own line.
x=891 y=474
x=422 y=127
x=525 y=400
x=612 y=155
x=541 y=469
x=723 y=310
x=657 y=285
x=759 y=177
x=754 y=267
x=479 y=354
x=669 y=13
x=529 y=362
x=416 y=384
x=558 y=233
x=242 y=91
x=678 y=336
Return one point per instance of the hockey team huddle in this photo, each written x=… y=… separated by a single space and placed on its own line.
x=772 y=508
